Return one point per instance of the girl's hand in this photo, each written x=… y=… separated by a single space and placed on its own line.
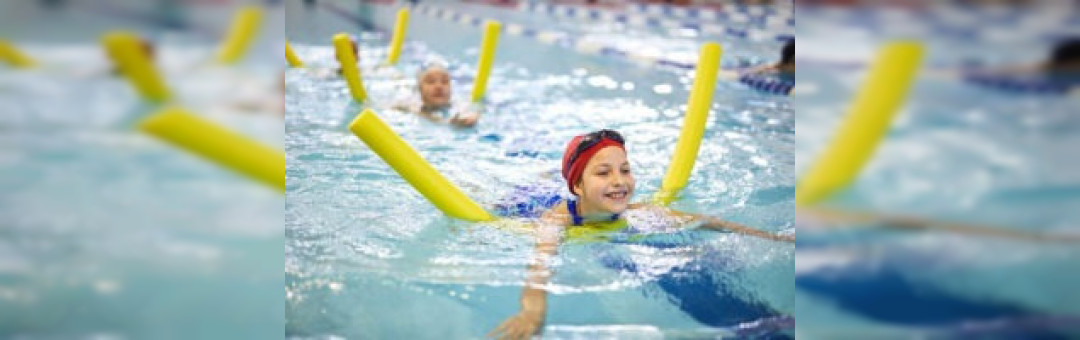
x=521 y=326
x=466 y=120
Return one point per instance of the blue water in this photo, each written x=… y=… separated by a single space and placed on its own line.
x=362 y=242
x=957 y=152
x=107 y=232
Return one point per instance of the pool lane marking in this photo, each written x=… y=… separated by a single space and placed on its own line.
x=559 y=38
x=576 y=12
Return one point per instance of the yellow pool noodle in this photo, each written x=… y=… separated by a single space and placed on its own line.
x=242 y=31
x=218 y=144
x=399 y=36
x=410 y=166
x=343 y=51
x=14 y=57
x=693 y=127
x=487 y=57
x=294 y=61
x=124 y=49
x=868 y=119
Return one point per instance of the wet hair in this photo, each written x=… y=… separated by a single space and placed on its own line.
x=148 y=48
x=431 y=64
x=788 y=55
x=1066 y=52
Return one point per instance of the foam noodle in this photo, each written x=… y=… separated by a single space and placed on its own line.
x=294 y=61
x=127 y=54
x=693 y=126
x=487 y=57
x=867 y=121
x=345 y=57
x=399 y=36
x=244 y=27
x=14 y=57
x=217 y=144
x=410 y=166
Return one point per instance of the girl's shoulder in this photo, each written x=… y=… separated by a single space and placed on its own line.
x=645 y=206
x=557 y=214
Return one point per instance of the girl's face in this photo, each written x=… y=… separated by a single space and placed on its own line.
x=435 y=87
x=607 y=183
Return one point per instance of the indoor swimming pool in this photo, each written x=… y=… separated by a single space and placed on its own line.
x=110 y=233
x=363 y=243
x=957 y=151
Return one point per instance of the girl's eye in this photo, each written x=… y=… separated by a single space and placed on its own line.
x=626 y=171
x=602 y=173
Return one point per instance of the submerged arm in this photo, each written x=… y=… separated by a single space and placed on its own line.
x=530 y=319
x=918 y=223
x=721 y=225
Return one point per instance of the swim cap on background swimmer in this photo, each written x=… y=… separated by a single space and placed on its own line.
x=431 y=64
x=788 y=56
x=582 y=148
x=1066 y=52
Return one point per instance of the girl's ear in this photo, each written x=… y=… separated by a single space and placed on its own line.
x=577 y=188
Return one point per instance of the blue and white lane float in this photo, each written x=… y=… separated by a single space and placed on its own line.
x=644 y=20
x=685 y=61
x=1041 y=85
x=736 y=11
x=1019 y=26
x=767 y=84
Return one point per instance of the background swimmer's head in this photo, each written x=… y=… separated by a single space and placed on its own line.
x=596 y=170
x=788 y=55
x=433 y=82
x=355 y=52
x=148 y=49
x=1066 y=56
x=355 y=49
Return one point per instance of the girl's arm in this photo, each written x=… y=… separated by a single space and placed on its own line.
x=467 y=116
x=404 y=105
x=530 y=319
x=721 y=225
x=917 y=223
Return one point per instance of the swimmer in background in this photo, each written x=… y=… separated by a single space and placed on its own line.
x=151 y=52
x=433 y=85
x=1061 y=66
x=784 y=69
x=327 y=73
x=597 y=172
x=259 y=99
x=1063 y=58
x=148 y=49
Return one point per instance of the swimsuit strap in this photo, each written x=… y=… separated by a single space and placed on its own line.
x=571 y=205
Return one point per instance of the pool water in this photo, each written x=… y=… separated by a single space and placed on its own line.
x=957 y=151
x=368 y=257
x=110 y=233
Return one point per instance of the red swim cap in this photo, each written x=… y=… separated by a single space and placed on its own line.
x=572 y=172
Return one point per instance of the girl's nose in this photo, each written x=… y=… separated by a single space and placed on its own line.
x=618 y=180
